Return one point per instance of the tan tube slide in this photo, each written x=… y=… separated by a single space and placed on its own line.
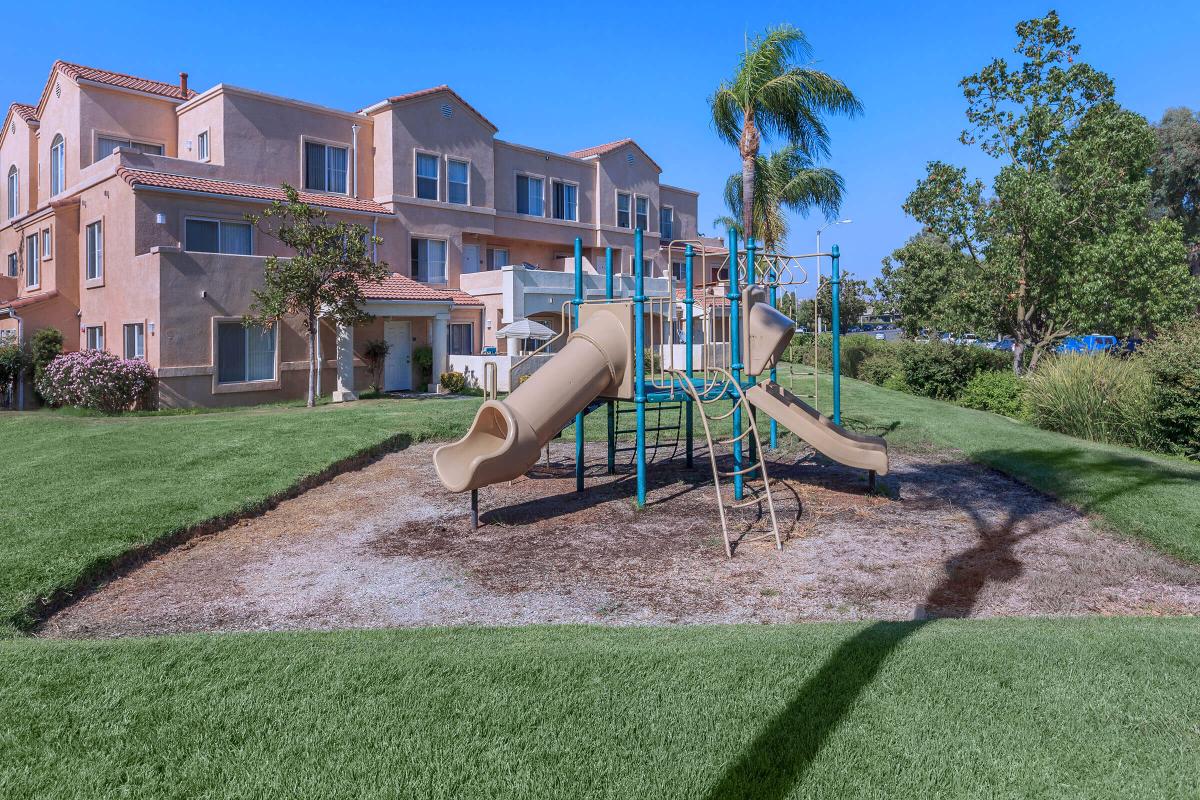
x=843 y=446
x=508 y=435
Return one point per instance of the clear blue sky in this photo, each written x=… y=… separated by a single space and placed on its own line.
x=638 y=69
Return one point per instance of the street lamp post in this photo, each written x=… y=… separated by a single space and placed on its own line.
x=819 y=261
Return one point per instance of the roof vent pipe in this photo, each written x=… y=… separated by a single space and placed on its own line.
x=354 y=152
x=183 y=85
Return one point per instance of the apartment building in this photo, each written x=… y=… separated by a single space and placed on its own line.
x=124 y=225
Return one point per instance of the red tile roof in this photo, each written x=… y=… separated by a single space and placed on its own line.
x=400 y=98
x=599 y=150
x=30 y=300
x=401 y=287
x=80 y=72
x=187 y=183
x=25 y=111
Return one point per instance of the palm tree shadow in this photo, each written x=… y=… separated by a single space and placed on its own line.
x=781 y=754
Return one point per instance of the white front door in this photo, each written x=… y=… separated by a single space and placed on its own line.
x=397 y=367
x=470 y=258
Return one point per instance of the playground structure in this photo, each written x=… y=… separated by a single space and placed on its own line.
x=604 y=361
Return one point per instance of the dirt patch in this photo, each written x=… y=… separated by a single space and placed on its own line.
x=387 y=546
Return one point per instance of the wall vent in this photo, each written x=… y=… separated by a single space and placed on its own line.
x=629 y=157
x=58 y=90
x=447 y=111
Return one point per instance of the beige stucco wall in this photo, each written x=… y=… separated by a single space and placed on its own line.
x=18 y=149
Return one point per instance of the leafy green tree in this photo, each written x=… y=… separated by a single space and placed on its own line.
x=785 y=180
x=332 y=262
x=1063 y=244
x=771 y=95
x=925 y=284
x=44 y=346
x=854 y=296
x=1176 y=178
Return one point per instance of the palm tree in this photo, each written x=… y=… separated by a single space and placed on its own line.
x=770 y=95
x=785 y=179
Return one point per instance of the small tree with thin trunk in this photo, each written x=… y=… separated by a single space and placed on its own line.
x=770 y=95
x=332 y=262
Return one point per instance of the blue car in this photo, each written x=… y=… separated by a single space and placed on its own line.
x=1092 y=343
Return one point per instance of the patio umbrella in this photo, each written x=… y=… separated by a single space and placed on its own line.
x=526 y=329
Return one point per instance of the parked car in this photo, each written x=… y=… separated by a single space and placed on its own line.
x=1006 y=344
x=1091 y=344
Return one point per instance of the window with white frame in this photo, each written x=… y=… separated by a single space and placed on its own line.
x=14 y=191
x=642 y=212
x=202 y=145
x=529 y=196
x=497 y=257
x=105 y=145
x=678 y=270
x=566 y=200
x=46 y=239
x=245 y=353
x=135 y=340
x=462 y=338
x=94 y=337
x=58 y=164
x=218 y=236
x=428 y=260
x=33 y=266
x=95 y=250
x=458 y=181
x=427 y=176
x=666 y=223
x=325 y=167
x=623 y=219
x=14 y=265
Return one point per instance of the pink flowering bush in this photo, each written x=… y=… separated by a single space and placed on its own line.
x=99 y=380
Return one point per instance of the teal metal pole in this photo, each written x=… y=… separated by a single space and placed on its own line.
x=835 y=286
x=773 y=277
x=689 y=302
x=750 y=379
x=575 y=304
x=735 y=366
x=612 y=404
x=639 y=365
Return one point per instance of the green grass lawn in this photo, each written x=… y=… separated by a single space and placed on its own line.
x=1101 y=708
x=80 y=490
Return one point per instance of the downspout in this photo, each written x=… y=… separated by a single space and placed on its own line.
x=354 y=151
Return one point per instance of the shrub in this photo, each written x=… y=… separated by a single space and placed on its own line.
x=1093 y=397
x=14 y=361
x=374 y=353
x=99 y=380
x=938 y=370
x=854 y=350
x=453 y=382
x=1173 y=361
x=995 y=391
x=45 y=345
x=881 y=365
x=423 y=358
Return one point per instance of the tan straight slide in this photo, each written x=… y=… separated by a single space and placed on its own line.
x=508 y=435
x=843 y=446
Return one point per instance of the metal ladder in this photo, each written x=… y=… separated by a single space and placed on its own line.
x=728 y=385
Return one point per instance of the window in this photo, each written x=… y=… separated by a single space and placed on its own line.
x=529 y=196
x=13 y=265
x=105 y=147
x=565 y=200
x=622 y=210
x=642 y=213
x=666 y=223
x=458 y=176
x=33 y=273
x=325 y=167
x=462 y=338
x=678 y=270
x=95 y=251
x=202 y=145
x=58 y=163
x=245 y=352
x=14 y=191
x=429 y=260
x=647 y=266
x=217 y=236
x=95 y=337
x=46 y=239
x=427 y=176
x=135 y=340
x=497 y=257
